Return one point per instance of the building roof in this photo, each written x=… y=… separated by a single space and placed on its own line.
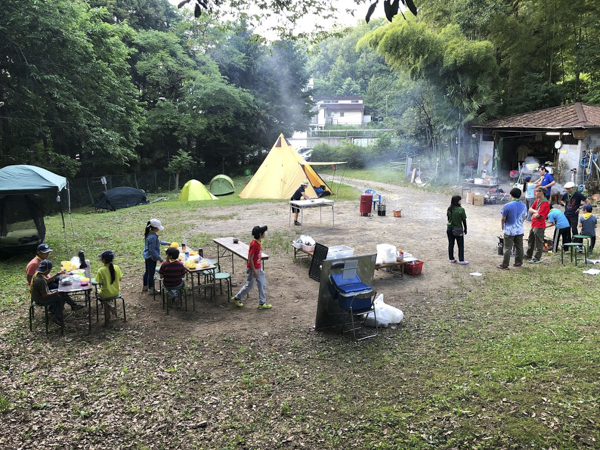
x=320 y=99
x=343 y=106
x=575 y=115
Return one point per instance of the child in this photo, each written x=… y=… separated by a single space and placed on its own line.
x=254 y=270
x=109 y=277
x=557 y=218
x=587 y=226
x=172 y=272
x=41 y=295
x=152 y=253
x=528 y=187
x=297 y=196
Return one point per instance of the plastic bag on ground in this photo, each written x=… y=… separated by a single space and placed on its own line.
x=386 y=314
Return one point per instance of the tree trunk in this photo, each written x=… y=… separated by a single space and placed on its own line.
x=177 y=180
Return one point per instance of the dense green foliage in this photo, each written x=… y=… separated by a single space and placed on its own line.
x=111 y=86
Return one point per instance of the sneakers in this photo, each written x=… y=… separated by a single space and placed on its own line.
x=502 y=267
x=452 y=260
x=58 y=321
x=76 y=307
x=152 y=291
x=464 y=263
x=534 y=261
x=517 y=266
x=297 y=223
x=237 y=302
x=264 y=306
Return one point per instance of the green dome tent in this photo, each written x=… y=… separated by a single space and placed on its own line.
x=193 y=190
x=221 y=185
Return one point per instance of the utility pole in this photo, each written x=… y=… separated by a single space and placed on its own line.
x=458 y=149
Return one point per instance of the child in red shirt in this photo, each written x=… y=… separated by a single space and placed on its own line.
x=254 y=271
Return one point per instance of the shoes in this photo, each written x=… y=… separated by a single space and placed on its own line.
x=152 y=291
x=236 y=302
x=297 y=223
x=502 y=267
x=518 y=266
x=264 y=306
x=58 y=321
x=452 y=260
x=534 y=261
x=464 y=263
x=76 y=307
x=110 y=309
x=145 y=289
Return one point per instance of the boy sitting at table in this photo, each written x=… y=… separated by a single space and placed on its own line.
x=171 y=273
x=42 y=295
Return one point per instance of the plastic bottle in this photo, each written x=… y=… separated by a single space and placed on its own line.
x=184 y=249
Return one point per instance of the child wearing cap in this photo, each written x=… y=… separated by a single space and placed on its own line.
x=529 y=187
x=152 y=253
x=109 y=277
x=42 y=295
x=172 y=272
x=254 y=271
x=297 y=196
x=587 y=225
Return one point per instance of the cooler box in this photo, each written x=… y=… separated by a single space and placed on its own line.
x=348 y=289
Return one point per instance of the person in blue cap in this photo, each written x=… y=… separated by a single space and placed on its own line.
x=43 y=295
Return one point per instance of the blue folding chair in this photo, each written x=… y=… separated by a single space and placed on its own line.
x=376 y=196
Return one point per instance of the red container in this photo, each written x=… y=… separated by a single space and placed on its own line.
x=366 y=200
x=413 y=267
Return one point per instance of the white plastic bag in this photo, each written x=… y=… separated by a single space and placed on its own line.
x=386 y=314
x=75 y=262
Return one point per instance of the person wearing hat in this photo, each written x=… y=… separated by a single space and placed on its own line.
x=588 y=224
x=42 y=254
x=297 y=196
x=572 y=200
x=546 y=180
x=108 y=277
x=254 y=271
x=42 y=295
x=151 y=253
x=539 y=211
x=528 y=188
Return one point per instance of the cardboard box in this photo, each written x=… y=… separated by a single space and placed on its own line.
x=478 y=200
x=470 y=196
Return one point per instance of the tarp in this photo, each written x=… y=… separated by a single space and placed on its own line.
x=221 y=185
x=22 y=225
x=281 y=173
x=193 y=190
x=121 y=197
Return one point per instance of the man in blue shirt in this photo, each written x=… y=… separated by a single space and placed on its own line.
x=558 y=219
x=513 y=214
x=546 y=180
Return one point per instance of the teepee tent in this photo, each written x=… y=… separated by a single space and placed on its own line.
x=281 y=173
x=221 y=185
x=193 y=190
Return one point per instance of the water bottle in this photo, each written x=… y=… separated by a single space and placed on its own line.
x=184 y=249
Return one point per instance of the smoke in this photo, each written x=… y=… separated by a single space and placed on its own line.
x=531 y=165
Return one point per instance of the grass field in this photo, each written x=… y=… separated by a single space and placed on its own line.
x=510 y=361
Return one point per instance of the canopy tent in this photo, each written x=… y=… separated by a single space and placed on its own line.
x=121 y=197
x=22 y=226
x=193 y=190
x=281 y=173
x=221 y=185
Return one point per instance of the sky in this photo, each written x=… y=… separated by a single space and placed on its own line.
x=344 y=19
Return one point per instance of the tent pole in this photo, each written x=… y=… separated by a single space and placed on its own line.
x=62 y=216
x=69 y=206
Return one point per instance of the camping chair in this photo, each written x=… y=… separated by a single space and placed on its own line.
x=354 y=297
x=376 y=196
x=105 y=302
x=46 y=310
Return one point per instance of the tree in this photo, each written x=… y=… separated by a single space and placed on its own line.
x=179 y=163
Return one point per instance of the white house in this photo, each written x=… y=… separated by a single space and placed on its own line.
x=339 y=111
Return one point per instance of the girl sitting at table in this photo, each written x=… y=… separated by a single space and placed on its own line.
x=108 y=277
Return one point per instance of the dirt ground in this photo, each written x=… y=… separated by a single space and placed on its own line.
x=420 y=231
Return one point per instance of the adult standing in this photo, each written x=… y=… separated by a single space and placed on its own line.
x=456 y=229
x=513 y=214
x=546 y=180
x=571 y=200
x=539 y=211
x=558 y=219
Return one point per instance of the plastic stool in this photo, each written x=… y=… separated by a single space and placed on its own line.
x=220 y=276
x=573 y=247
